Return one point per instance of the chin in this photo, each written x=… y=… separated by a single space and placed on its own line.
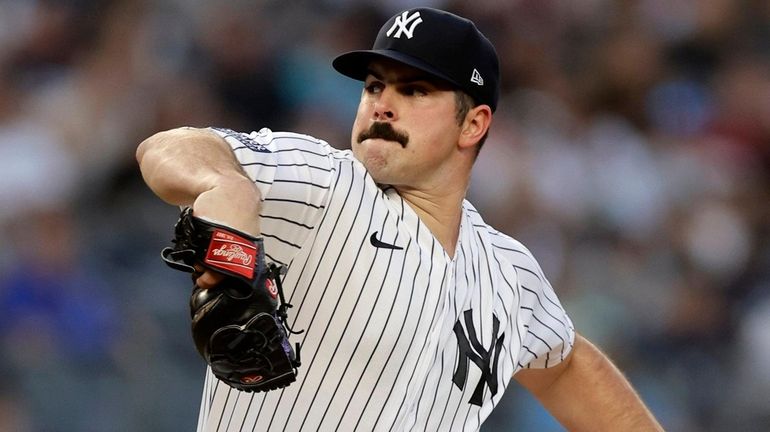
x=375 y=166
x=377 y=169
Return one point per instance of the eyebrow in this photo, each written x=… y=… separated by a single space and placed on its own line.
x=405 y=79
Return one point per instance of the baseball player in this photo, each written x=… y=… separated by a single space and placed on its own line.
x=415 y=312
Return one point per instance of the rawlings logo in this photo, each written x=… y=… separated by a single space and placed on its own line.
x=251 y=379
x=232 y=252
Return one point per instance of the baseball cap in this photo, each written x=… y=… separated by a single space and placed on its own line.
x=440 y=43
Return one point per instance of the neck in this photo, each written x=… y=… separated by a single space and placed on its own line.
x=441 y=213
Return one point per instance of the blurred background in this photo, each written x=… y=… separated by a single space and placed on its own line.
x=631 y=153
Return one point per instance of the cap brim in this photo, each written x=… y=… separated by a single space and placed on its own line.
x=355 y=64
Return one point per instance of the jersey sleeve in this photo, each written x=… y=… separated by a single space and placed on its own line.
x=294 y=174
x=548 y=334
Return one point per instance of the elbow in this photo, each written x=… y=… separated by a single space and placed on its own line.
x=168 y=143
x=180 y=164
x=141 y=149
x=155 y=142
x=159 y=159
x=149 y=145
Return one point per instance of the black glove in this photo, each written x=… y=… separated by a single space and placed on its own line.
x=238 y=326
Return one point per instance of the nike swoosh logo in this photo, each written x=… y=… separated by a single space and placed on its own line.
x=379 y=244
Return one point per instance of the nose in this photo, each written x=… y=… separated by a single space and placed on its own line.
x=383 y=106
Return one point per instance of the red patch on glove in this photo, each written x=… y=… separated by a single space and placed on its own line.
x=232 y=253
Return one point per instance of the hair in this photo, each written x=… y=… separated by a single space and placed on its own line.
x=464 y=103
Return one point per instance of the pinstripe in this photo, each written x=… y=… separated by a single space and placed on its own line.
x=259 y=412
x=251 y=164
x=347 y=364
x=540 y=302
x=530 y=351
x=315 y=273
x=435 y=354
x=419 y=319
x=216 y=386
x=232 y=413
x=465 y=386
x=427 y=335
x=455 y=312
x=291 y=297
x=380 y=339
x=326 y=328
x=308 y=183
x=411 y=295
x=283 y=219
x=468 y=414
x=286 y=242
x=301 y=150
x=248 y=408
x=501 y=272
x=435 y=393
x=540 y=339
x=480 y=250
x=476 y=267
x=447 y=384
x=555 y=333
x=461 y=253
x=224 y=406
x=425 y=344
x=315 y=239
x=326 y=249
x=366 y=325
x=285 y=200
x=303 y=165
x=486 y=261
x=275 y=260
x=347 y=323
x=325 y=243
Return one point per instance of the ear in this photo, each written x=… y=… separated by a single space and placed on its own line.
x=475 y=125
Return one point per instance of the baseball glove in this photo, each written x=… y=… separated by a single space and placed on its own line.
x=238 y=326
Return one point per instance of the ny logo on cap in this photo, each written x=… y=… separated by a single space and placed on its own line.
x=401 y=23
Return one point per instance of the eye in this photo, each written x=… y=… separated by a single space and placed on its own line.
x=373 y=87
x=414 y=90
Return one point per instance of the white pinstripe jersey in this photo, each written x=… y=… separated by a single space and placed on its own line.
x=398 y=335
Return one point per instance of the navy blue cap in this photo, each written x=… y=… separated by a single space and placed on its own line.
x=440 y=43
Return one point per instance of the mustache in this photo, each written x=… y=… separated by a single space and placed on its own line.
x=383 y=130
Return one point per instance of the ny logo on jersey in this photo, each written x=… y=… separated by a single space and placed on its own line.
x=474 y=351
x=401 y=23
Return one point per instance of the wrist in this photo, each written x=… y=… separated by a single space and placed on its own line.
x=234 y=201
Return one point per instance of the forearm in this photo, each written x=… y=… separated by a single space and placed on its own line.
x=196 y=167
x=590 y=394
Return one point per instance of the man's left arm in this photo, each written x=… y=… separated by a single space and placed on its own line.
x=586 y=392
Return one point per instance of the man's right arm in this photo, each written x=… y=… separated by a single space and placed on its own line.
x=196 y=167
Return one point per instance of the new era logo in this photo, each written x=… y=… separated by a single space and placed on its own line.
x=400 y=25
x=476 y=78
